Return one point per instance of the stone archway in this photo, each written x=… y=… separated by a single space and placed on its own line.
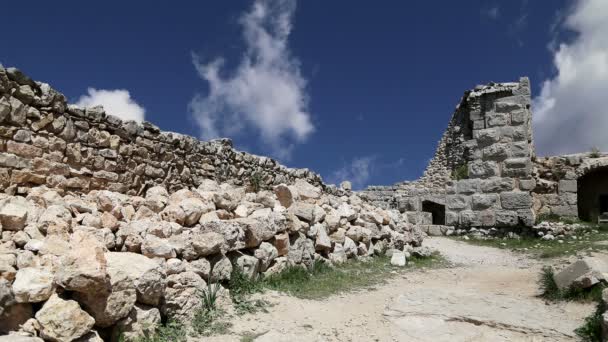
x=592 y=184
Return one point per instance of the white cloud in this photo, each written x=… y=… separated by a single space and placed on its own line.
x=266 y=93
x=571 y=112
x=117 y=102
x=358 y=172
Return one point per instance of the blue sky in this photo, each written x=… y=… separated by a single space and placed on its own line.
x=349 y=89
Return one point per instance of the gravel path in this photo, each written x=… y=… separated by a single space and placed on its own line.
x=489 y=295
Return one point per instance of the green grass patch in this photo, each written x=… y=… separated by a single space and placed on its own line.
x=322 y=280
x=169 y=332
x=586 y=241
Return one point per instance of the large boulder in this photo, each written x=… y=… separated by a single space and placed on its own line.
x=182 y=296
x=305 y=190
x=63 y=320
x=108 y=308
x=147 y=276
x=84 y=268
x=203 y=244
x=194 y=208
x=13 y=213
x=33 y=285
x=583 y=273
x=266 y=254
x=155 y=247
x=232 y=230
x=284 y=195
x=140 y=323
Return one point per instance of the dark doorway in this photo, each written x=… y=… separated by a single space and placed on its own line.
x=592 y=195
x=603 y=204
x=438 y=211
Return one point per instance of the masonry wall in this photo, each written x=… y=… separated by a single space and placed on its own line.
x=497 y=192
x=558 y=183
x=489 y=134
x=43 y=140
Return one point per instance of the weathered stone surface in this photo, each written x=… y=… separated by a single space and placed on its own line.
x=33 y=285
x=108 y=308
x=306 y=190
x=147 y=276
x=516 y=200
x=63 y=320
x=398 y=259
x=13 y=213
x=84 y=267
x=182 y=298
x=583 y=273
x=203 y=244
x=304 y=211
x=140 y=323
x=483 y=169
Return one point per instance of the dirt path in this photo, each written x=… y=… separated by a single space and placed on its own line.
x=489 y=295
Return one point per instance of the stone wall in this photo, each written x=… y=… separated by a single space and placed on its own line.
x=489 y=134
x=558 y=182
x=43 y=140
x=498 y=189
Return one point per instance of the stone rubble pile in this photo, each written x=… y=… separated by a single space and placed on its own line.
x=91 y=266
x=548 y=230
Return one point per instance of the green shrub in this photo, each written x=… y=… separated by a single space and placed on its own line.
x=461 y=172
x=172 y=331
x=255 y=182
x=209 y=295
x=595 y=152
x=591 y=330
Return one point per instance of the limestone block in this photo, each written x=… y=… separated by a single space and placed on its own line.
x=63 y=320
x=457 y=202
x=520 y=133
x=497 y=119
x=23 y=150
x=583 y=273
x=516 y=200
x=487 y=218
x=483 y=169
x=479 y=124
x=486 y=137
x=519 y=117
x=565 y=210
x=520 y=149
x=467 y=186
x=469 y=218
x=527 y=184
x=506 y=107
x=527 y=217
x=451 y=218
x=506 y=218
x=568 y=186
x=484 y=201
x=496 y=152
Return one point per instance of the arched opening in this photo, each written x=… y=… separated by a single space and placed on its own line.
x=437 y=210
x=593 y=194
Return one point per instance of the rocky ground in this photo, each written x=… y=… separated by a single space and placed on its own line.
x=487 y=294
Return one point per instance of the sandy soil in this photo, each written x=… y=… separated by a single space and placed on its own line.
x=488 y=295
